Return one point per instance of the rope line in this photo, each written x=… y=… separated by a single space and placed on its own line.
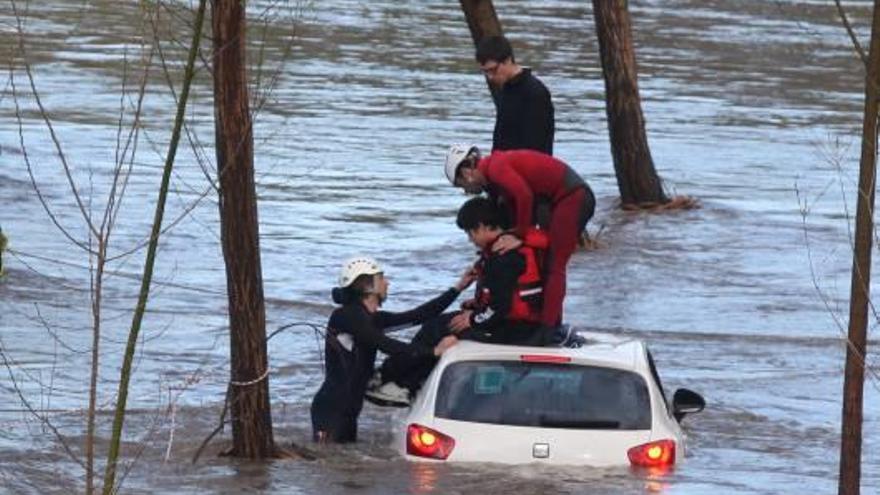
x=252 y=382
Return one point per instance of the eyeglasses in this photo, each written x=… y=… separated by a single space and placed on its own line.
x=490 y=70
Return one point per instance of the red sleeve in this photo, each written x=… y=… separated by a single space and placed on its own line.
x=515 y=188
x=536 y=239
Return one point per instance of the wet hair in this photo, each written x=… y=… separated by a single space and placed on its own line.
x=495 y=48
x=480 y=211
x=355 y=291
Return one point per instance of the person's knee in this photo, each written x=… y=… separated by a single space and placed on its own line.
x=433 y=331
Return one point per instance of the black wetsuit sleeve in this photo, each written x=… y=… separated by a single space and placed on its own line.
x=363 y=327
x=500 y=277
x=420 y=314
x=373 y=335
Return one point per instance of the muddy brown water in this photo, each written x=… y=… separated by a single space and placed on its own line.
x=754 y=108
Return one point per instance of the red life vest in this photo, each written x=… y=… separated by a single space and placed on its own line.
x=528 y=296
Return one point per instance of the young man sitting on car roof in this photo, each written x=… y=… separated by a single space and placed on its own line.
x=506 y=308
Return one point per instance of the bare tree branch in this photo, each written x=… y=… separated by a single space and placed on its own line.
x=45 y=116
x=33 y=179
x=48 y=424
x=852 y=34
x=838 y=321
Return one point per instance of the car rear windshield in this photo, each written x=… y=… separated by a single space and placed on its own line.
x=543 y=395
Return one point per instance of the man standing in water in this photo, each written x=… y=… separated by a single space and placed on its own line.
x=355 y=332
x=520 y=178
x=523 y=107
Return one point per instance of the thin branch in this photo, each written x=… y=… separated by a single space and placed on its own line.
x=218 y=428
x=30 y=172
x=145 y=242
x=112 y=456
x=58 y=149
x=30 y=409
x=134 y=133
x=201 y=157
x=873 y=374
x=54 y=335
x=852 y=34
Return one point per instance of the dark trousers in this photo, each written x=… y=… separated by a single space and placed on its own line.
x=335 y=415
x=410 y=372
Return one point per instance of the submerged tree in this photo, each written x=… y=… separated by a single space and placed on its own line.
x=637 y=178
x=482 y=22
x=481 y=18
x=239 y=230
x=854 y=376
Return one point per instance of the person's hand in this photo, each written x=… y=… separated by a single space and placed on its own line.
x=467 y=278
x=446 y=343
x=469 y=304
x=505 y=243
x=461 y=321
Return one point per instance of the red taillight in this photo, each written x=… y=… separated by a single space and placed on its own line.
x=653 y=454
x=544 y=358
x=424 y=442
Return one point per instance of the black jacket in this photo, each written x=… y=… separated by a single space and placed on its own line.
x=524 y=115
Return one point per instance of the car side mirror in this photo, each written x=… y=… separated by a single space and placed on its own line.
x=686 y=401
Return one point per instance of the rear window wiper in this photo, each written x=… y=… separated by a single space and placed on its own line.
x=598 y=424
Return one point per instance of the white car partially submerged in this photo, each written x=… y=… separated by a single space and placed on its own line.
x=600 y=405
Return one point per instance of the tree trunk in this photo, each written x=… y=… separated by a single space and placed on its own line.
x=482 y=22
x=249 y=399
x=854 y=376
x=636 y=177
x=481 y=19
x=2 y=248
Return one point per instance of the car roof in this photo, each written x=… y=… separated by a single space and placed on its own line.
x=600 y=350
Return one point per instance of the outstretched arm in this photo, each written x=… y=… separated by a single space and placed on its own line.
x=431 y=308
x=373 y=335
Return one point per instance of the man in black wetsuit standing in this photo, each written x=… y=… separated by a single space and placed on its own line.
x=355 y=331
x=523 y=108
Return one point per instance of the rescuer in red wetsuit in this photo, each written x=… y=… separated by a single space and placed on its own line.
x=522 y=179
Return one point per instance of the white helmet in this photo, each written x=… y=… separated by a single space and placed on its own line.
x=357 y=266
x=458 y=153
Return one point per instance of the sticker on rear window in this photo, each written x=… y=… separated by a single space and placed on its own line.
x=489 y=380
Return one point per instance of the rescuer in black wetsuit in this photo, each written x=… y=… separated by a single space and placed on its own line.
x=354 y=333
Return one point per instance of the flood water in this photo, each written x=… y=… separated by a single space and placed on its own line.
x=752 y=107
